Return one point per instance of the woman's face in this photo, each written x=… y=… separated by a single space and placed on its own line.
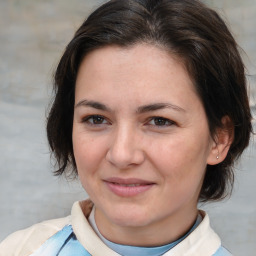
x=140 y=136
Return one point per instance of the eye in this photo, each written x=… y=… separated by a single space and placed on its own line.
x=95 y=120
x=160 y=121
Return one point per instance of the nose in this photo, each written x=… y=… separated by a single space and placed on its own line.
x=125 y=150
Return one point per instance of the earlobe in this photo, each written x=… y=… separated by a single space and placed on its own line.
x=222 y=141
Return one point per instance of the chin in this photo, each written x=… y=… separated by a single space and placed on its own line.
x=129 y=217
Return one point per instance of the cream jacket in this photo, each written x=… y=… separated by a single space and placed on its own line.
x=203 y=241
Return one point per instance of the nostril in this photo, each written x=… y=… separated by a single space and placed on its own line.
x=124 y=159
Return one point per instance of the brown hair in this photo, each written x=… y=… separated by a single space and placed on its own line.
x=186 y=28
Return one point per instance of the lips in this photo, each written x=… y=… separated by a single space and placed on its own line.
x=128 y=187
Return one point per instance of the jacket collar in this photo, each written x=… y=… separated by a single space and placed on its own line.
x=203 y=241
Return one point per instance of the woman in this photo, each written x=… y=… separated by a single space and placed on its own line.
x=151 y=111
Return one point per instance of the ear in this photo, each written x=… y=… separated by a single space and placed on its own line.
x=221 y=143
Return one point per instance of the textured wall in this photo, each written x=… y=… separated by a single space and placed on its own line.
x=32 y=36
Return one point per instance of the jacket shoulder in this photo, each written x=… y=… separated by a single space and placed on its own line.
x=25 y=242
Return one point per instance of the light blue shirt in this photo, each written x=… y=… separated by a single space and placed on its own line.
x=126 y=250
x=65 y=243
x=222 y=252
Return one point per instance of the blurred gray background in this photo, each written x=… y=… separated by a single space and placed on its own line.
x=33 y=35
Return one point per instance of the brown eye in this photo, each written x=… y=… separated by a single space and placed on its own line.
x=95 y=120
x=160 y=121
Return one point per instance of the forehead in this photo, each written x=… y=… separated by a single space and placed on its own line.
x=142 y=71
x=138 y=58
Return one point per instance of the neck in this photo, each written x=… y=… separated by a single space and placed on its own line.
x=168 y=230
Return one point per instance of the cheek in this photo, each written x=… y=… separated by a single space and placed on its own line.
x=170 y=152
x=180 y=159
x=88 y=158
x=88 y=152
x=182 y=171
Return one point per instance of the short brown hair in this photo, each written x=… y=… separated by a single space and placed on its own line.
x=185 y=28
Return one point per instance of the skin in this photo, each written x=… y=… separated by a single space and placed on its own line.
x=167 y=144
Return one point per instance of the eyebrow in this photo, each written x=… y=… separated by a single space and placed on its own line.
x=140 y=110
x=158 y=106
x=92 y=104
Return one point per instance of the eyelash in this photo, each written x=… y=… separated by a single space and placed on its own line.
x=164 y=122
x=94 y=118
